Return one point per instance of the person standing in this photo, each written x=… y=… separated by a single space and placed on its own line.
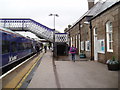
x=73 y=52
x=45 y=47
x=37 y=48
x=49 y=46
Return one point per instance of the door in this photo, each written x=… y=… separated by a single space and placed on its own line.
x=95 y=45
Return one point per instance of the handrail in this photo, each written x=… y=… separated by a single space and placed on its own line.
x=25 y=21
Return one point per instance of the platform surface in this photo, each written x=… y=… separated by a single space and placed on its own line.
x=79 y=74
x=44 y=75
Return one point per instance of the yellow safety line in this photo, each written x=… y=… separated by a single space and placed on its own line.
x=23 y=79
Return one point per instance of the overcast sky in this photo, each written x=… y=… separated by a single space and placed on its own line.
x=69 y=11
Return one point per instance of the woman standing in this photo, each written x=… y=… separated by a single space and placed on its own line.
x=73 y=52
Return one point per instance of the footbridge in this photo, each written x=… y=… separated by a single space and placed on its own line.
x=34 y=27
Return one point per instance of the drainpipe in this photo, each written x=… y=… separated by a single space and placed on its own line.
x=88 y=21
x=91 y=40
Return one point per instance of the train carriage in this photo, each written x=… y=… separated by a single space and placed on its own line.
x=14 y=47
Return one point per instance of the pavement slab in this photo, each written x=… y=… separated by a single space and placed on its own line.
x=85 y=74
x=78 y=74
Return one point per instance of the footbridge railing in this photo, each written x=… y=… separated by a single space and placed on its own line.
x=34 y=27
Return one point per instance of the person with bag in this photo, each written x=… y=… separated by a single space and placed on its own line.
x=73 y=52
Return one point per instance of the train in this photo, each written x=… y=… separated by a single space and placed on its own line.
x=14 y=47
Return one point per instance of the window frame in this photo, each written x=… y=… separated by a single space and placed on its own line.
x=82 y=45
x=101 y=46
x=86 y=45
x=109 y=30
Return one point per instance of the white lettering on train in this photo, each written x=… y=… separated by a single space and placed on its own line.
x=11 y=58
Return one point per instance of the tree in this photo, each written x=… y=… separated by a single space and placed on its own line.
x=65 y=29
x=69 y=26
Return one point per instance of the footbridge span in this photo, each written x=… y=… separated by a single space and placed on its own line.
x=20 y=24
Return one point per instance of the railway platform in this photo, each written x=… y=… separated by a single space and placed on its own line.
x=68 y=74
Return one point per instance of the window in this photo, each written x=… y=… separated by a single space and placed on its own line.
x=71 y=41
x=20 y=47
x=29 y=45
x=109 y=34
x=87 y=45
x=76 y=41
x=79 y=44
x=101 y=45
x=13 y=47
x=5 y=46
x=95 y=31
x=82 y=45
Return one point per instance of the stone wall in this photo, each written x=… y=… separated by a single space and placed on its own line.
x=74 y=31
x=85 y=35
x=100 y=23
x=113 y=15
x=118 y=32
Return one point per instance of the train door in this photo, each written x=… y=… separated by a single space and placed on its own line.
x=13 y=49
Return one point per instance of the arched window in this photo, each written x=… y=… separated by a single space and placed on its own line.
x=109 y=34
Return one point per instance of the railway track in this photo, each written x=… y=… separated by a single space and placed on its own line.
x=15 y=77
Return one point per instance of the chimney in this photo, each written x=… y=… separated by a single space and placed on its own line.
x=90 y=4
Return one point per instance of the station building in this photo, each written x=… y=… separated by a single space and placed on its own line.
x=96 y=33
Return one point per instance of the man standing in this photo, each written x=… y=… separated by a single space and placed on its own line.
x=73 y=52
x=37 y=48
x=45 y=48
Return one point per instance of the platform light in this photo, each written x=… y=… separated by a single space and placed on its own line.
x=54 y=15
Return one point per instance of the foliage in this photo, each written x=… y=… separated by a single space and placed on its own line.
x=69 y=26
x=112 y=61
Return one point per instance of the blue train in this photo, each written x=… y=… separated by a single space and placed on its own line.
x=14 y=47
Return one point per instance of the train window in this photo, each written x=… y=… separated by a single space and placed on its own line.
x=5 y=46
x=24 y=46
x=29 y=46
x=13 y=47
x=19 y=46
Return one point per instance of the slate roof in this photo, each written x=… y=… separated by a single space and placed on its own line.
x=105 y=5
x=98 y=8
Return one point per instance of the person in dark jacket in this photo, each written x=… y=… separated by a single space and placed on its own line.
x=37 y=48
x=45 y=47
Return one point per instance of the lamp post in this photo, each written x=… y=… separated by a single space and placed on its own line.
x=54 y=15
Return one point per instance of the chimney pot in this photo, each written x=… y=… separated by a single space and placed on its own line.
x=90 y=4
